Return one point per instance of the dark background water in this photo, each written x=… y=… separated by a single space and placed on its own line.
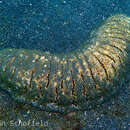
x=53 y=25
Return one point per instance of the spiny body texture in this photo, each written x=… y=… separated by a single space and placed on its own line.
x=76 y=80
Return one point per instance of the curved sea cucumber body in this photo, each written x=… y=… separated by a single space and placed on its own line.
x=81 y=78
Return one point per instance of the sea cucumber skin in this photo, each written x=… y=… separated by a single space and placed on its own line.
x=82 y=77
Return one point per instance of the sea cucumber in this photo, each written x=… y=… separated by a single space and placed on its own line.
x=75 y=80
